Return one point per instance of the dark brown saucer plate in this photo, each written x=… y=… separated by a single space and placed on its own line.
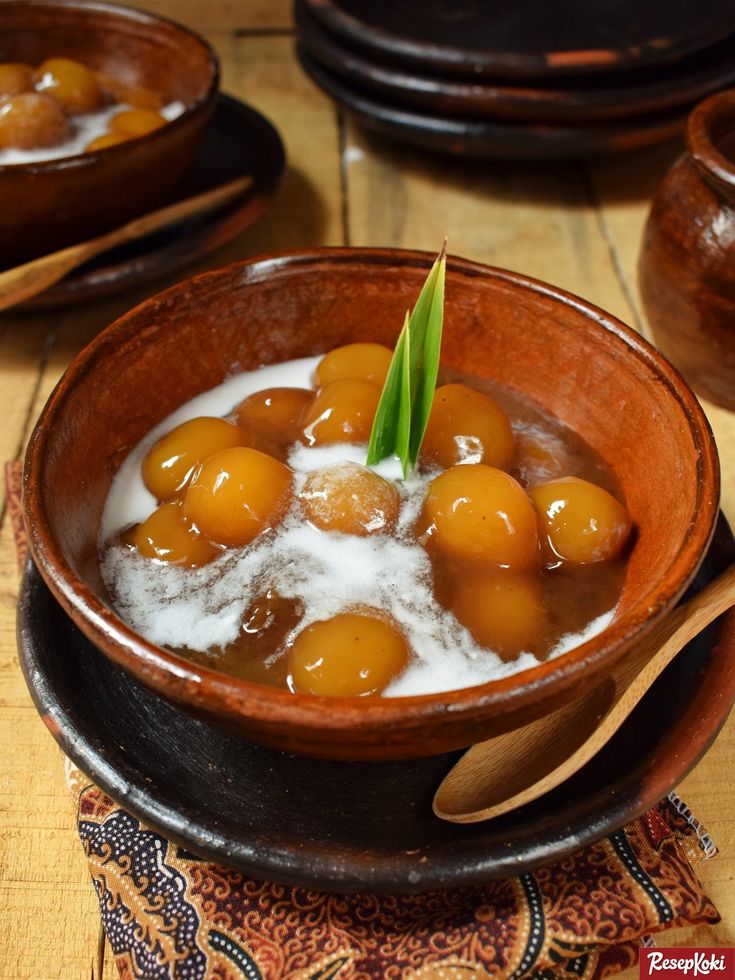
x=495 y=139
x=512 y=39
x=239 y=142
x=683 y=83
x=350 y=827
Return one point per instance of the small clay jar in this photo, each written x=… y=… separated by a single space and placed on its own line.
x=687 y=263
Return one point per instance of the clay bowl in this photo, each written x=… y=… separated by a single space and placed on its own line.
x=581 y=364
x=47 y=205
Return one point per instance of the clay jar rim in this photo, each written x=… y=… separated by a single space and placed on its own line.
x=132 y=15
x=216 y=692
x=706 y=124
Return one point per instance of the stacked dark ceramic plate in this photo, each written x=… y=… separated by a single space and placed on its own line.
x=521 y=79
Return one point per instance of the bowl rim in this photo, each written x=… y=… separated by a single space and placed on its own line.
x=210 y=689
x=703 y=140
x=133 y=15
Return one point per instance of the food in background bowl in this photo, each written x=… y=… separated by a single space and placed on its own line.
x=260 y=543
x=81 y=56
x=62 y=107
x=607 y=385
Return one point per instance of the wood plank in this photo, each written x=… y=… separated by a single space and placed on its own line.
x=529 y=218
x=216 y=17
x=49 y=910
x=23 y=343
x=308 y=207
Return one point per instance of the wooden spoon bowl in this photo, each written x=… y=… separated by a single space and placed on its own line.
x=595 y=374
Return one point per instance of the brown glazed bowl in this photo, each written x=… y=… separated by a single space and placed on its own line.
x=686 y=270
x=581 y=364
x=48 y=205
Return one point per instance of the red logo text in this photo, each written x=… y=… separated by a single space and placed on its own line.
x=686 y=964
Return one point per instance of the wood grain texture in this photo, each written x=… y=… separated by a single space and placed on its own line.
x=216 y=17
x=48 y=910
x=577 y=226
x=538 y=220
x=22 y=352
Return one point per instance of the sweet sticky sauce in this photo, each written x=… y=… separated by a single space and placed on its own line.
x=62 y=107
x=247 y=533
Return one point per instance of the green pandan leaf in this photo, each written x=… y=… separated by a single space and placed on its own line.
x=384 y=437
x=405 y=403
x=425 y=330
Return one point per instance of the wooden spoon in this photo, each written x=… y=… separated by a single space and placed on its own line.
x=31 y=278
x=503 y=773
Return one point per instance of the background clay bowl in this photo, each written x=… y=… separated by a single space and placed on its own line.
x=586 y=98
x=527 y=38
x=47 y=205
x=238 y=142
x=582 y=365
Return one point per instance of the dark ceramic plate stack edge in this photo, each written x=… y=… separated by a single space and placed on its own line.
x=471 y=81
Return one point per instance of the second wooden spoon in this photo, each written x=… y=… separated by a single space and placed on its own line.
x=503 y=773
x=31 y=278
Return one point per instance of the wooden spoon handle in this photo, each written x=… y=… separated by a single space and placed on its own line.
x=33 y=277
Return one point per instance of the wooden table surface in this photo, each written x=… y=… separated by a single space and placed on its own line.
x=577 y=225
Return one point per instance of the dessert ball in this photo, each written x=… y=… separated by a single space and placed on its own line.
x=30 y=121
x=580 y=522
x=168 y=536
x=71 y=84
x=466 y=425
x=481 y=514
x=169 y=464
x=136 y=122
x=350 y=498
x=503 y=610
x=349 y=655
x=343 y=411
x=363 y=360
x=272 y=419
x=236 y=494
x=15 y=77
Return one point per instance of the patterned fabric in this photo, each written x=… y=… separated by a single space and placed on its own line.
x=169 y=915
